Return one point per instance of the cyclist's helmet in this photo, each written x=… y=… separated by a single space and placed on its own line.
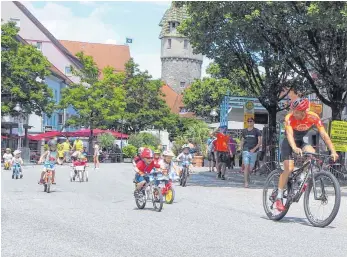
x=8 y=149
x=185 y=146
x=157 y=152
x=300 y=104
x=16 y=152
x=147 y=153
x=52 y=143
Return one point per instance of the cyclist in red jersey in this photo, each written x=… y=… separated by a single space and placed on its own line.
x=297 y=124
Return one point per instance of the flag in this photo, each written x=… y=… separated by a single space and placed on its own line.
x=129 y=40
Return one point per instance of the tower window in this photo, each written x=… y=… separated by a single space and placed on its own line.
x=17 y=21
x=185 y=44
x=169 y=43
x=182 y=84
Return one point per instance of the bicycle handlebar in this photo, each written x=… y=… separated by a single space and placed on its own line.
x=316 y=154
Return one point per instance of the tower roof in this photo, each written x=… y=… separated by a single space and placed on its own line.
x=173 y=14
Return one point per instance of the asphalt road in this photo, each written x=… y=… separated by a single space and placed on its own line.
x=100 y=218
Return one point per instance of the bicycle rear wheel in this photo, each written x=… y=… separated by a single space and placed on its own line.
x=184 y=177
x=326 y=186
x=270 y=195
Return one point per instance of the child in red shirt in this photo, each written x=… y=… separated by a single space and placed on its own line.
x=143 y=167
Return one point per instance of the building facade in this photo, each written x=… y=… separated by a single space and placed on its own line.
x=180 y=66
x=31 y=31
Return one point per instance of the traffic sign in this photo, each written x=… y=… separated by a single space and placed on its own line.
x=338 y=135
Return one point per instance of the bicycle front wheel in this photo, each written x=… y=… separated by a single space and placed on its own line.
x=270 y=194
x=158 y=201
x=328 y=192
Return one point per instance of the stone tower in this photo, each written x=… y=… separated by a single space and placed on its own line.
x=179 y=66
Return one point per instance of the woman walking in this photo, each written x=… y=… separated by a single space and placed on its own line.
x=96 y=156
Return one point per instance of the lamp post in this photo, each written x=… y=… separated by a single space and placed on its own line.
x=122 y=121
x=214 y=114
x=19 y=109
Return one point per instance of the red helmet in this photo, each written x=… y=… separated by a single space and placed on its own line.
x=147 y=153
x=300 y=104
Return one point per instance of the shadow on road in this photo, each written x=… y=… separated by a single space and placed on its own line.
x=233 y=179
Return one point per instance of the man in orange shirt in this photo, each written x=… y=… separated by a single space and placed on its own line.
x=222 y=151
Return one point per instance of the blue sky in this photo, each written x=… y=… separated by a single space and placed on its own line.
x=108 y=22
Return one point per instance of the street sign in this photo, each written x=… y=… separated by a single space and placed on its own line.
x=338 y=135
x=48 y=128
x=248 y=112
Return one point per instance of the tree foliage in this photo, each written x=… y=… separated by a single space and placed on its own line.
x=312 y=37
x=96 y=101
x=144 y=139
x=216 y=30
x=204 y=95
x=106 y=140
x=145 y=107
x=21 y=65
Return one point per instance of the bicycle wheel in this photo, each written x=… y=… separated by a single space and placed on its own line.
x=325 y=196
x=270 y=194
x=184 y=177
x=141 y=200
x=170 y=196
x=157 y=199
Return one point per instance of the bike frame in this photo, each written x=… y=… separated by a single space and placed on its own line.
x=308 y=165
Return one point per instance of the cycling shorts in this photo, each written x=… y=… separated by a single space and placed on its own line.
x=287 y=151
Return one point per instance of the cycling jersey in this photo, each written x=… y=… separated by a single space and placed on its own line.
x=183 y=157
x=144 y=168
x=301 y=127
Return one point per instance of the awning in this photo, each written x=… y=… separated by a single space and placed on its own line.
x=86 y=133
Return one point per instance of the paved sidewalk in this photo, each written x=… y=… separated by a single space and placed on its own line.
x=236 y=177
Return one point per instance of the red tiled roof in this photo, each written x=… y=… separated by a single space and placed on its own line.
x=175 y=101
x=104 y=55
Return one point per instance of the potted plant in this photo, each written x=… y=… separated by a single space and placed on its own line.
x=129 y=153
x=197 y=134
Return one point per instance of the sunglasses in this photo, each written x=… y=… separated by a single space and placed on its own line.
x=249 y=121
x=151 y=158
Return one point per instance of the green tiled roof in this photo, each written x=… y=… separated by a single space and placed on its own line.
x=171 y=15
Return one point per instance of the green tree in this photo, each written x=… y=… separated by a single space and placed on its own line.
x=97 y=101
x=312 y=37
x=145 y=107
x=106 y=140
x=143 y=139
x=21 y=66
x=204 y=95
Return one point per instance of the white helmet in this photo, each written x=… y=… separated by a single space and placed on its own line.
x=168 y=153
x=16 y=152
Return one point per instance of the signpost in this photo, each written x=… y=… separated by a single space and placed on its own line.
x=248 y=112
x=317 y=108
x=338 y=135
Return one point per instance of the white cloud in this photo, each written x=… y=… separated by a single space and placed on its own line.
x=63 y=24
x=150 y=62
x=88 y=3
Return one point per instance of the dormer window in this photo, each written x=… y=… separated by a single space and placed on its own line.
x=173 y=26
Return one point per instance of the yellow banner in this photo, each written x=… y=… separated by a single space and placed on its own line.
x=317 y=108
x=338 y=135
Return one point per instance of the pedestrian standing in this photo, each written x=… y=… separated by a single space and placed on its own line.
x=210 y=152
x=96 y=156
x=66 y=149
x=232 y=147
x=222 y=151
x=250 y=144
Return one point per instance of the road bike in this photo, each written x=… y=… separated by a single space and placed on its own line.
x=306 y=179
x=150 y=192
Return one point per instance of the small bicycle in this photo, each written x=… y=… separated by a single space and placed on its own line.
x=16 y=171
x=48 y=177
x=184 y=174
x=150 y=192
x=167 y=189
x=309 y=178
x=79 y=171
